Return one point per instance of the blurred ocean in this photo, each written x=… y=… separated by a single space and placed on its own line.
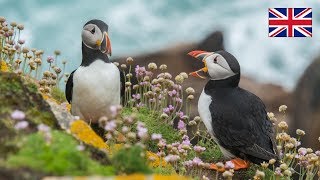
x=138 y=26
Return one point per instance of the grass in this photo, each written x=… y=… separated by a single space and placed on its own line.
x=60 y=157
x=58 y=95
x=130 y=160
x=155 y=125
x=212 y=152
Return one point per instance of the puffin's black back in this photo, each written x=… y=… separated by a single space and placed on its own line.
x=241 y=124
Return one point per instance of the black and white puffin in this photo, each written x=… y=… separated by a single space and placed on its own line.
x=235 y=118
x=94 y=86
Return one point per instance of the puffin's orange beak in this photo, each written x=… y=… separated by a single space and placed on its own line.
x=201 y=55
x=108 y=44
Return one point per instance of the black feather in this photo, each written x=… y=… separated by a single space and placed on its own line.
x=69 y=87
x=240 y=122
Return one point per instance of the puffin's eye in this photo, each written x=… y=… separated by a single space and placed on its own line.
x=215 y=60
x=93 y=30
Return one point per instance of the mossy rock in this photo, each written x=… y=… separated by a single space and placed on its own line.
x=20 y=93
x=57 y=156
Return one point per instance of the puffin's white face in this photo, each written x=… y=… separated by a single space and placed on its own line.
x=92 y=36
x=218 y=67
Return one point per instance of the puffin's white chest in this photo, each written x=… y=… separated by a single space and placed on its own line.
x=205 y=115
x=95 y=88
x=204 y=112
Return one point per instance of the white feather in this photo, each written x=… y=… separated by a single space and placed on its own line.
x=205 y=114
x=220 y=69
x=95 y=88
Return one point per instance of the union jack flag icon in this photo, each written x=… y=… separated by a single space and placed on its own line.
x=290 y=22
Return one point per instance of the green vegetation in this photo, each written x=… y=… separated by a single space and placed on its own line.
x=166 y=170
x=131 y=160
x=19 y=93
x=58 y=156
x=155 y=125
x=58 y=95
x=212 y=152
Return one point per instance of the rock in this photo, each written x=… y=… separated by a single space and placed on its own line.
x=306 y=100
x=62 y=115
x=18 y=93
x=20 y=173
x=178 y=61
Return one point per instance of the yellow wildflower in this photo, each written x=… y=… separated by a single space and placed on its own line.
x=4 y=66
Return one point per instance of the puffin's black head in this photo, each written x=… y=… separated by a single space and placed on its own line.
x=95 y=36
x=219 y=65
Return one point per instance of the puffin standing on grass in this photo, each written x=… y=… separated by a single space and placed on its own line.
x=235 y=118
x=95 y=85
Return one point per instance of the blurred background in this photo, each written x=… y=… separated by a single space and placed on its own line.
x=143 y=28
x=139 y=26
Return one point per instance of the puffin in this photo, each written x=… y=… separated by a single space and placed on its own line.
x=95 y=85
x=235 y=118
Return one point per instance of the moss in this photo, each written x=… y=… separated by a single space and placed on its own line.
x=21 y=93
x=131 y=160
x=40 y=117
x=155 y=126
x=58 y=95
x=60 y=157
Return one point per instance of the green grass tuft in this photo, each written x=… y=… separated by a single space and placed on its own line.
x=212 y=152
x=130 y=160
x=60 y=157
x=58 y=95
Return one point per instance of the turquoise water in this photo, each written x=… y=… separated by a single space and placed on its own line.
x=138 y=26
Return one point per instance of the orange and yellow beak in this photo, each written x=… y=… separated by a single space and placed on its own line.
x=201 y=55
x=105 y=44
x=108 y=44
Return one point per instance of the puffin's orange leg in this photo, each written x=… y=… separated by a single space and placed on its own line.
x=240 y=164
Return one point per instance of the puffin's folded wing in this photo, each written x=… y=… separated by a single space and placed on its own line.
x=69 y=87
x=259 y=152
x=247 y=129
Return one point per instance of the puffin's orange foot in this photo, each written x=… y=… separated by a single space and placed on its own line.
x=215 y=167
x=240 y=164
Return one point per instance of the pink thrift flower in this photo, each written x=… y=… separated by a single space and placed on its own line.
x=178 y=100
x=21 y=125
x=18 y=115
x=171 y=158
x=156 y=136
x=199 y=149
x=110 y=125
x=50 y=59
x=229 y=165
x=43 y=128
x=302 y=151
x=181 y=125
x=196 y=161
x=136 y=96
x=80 y=147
